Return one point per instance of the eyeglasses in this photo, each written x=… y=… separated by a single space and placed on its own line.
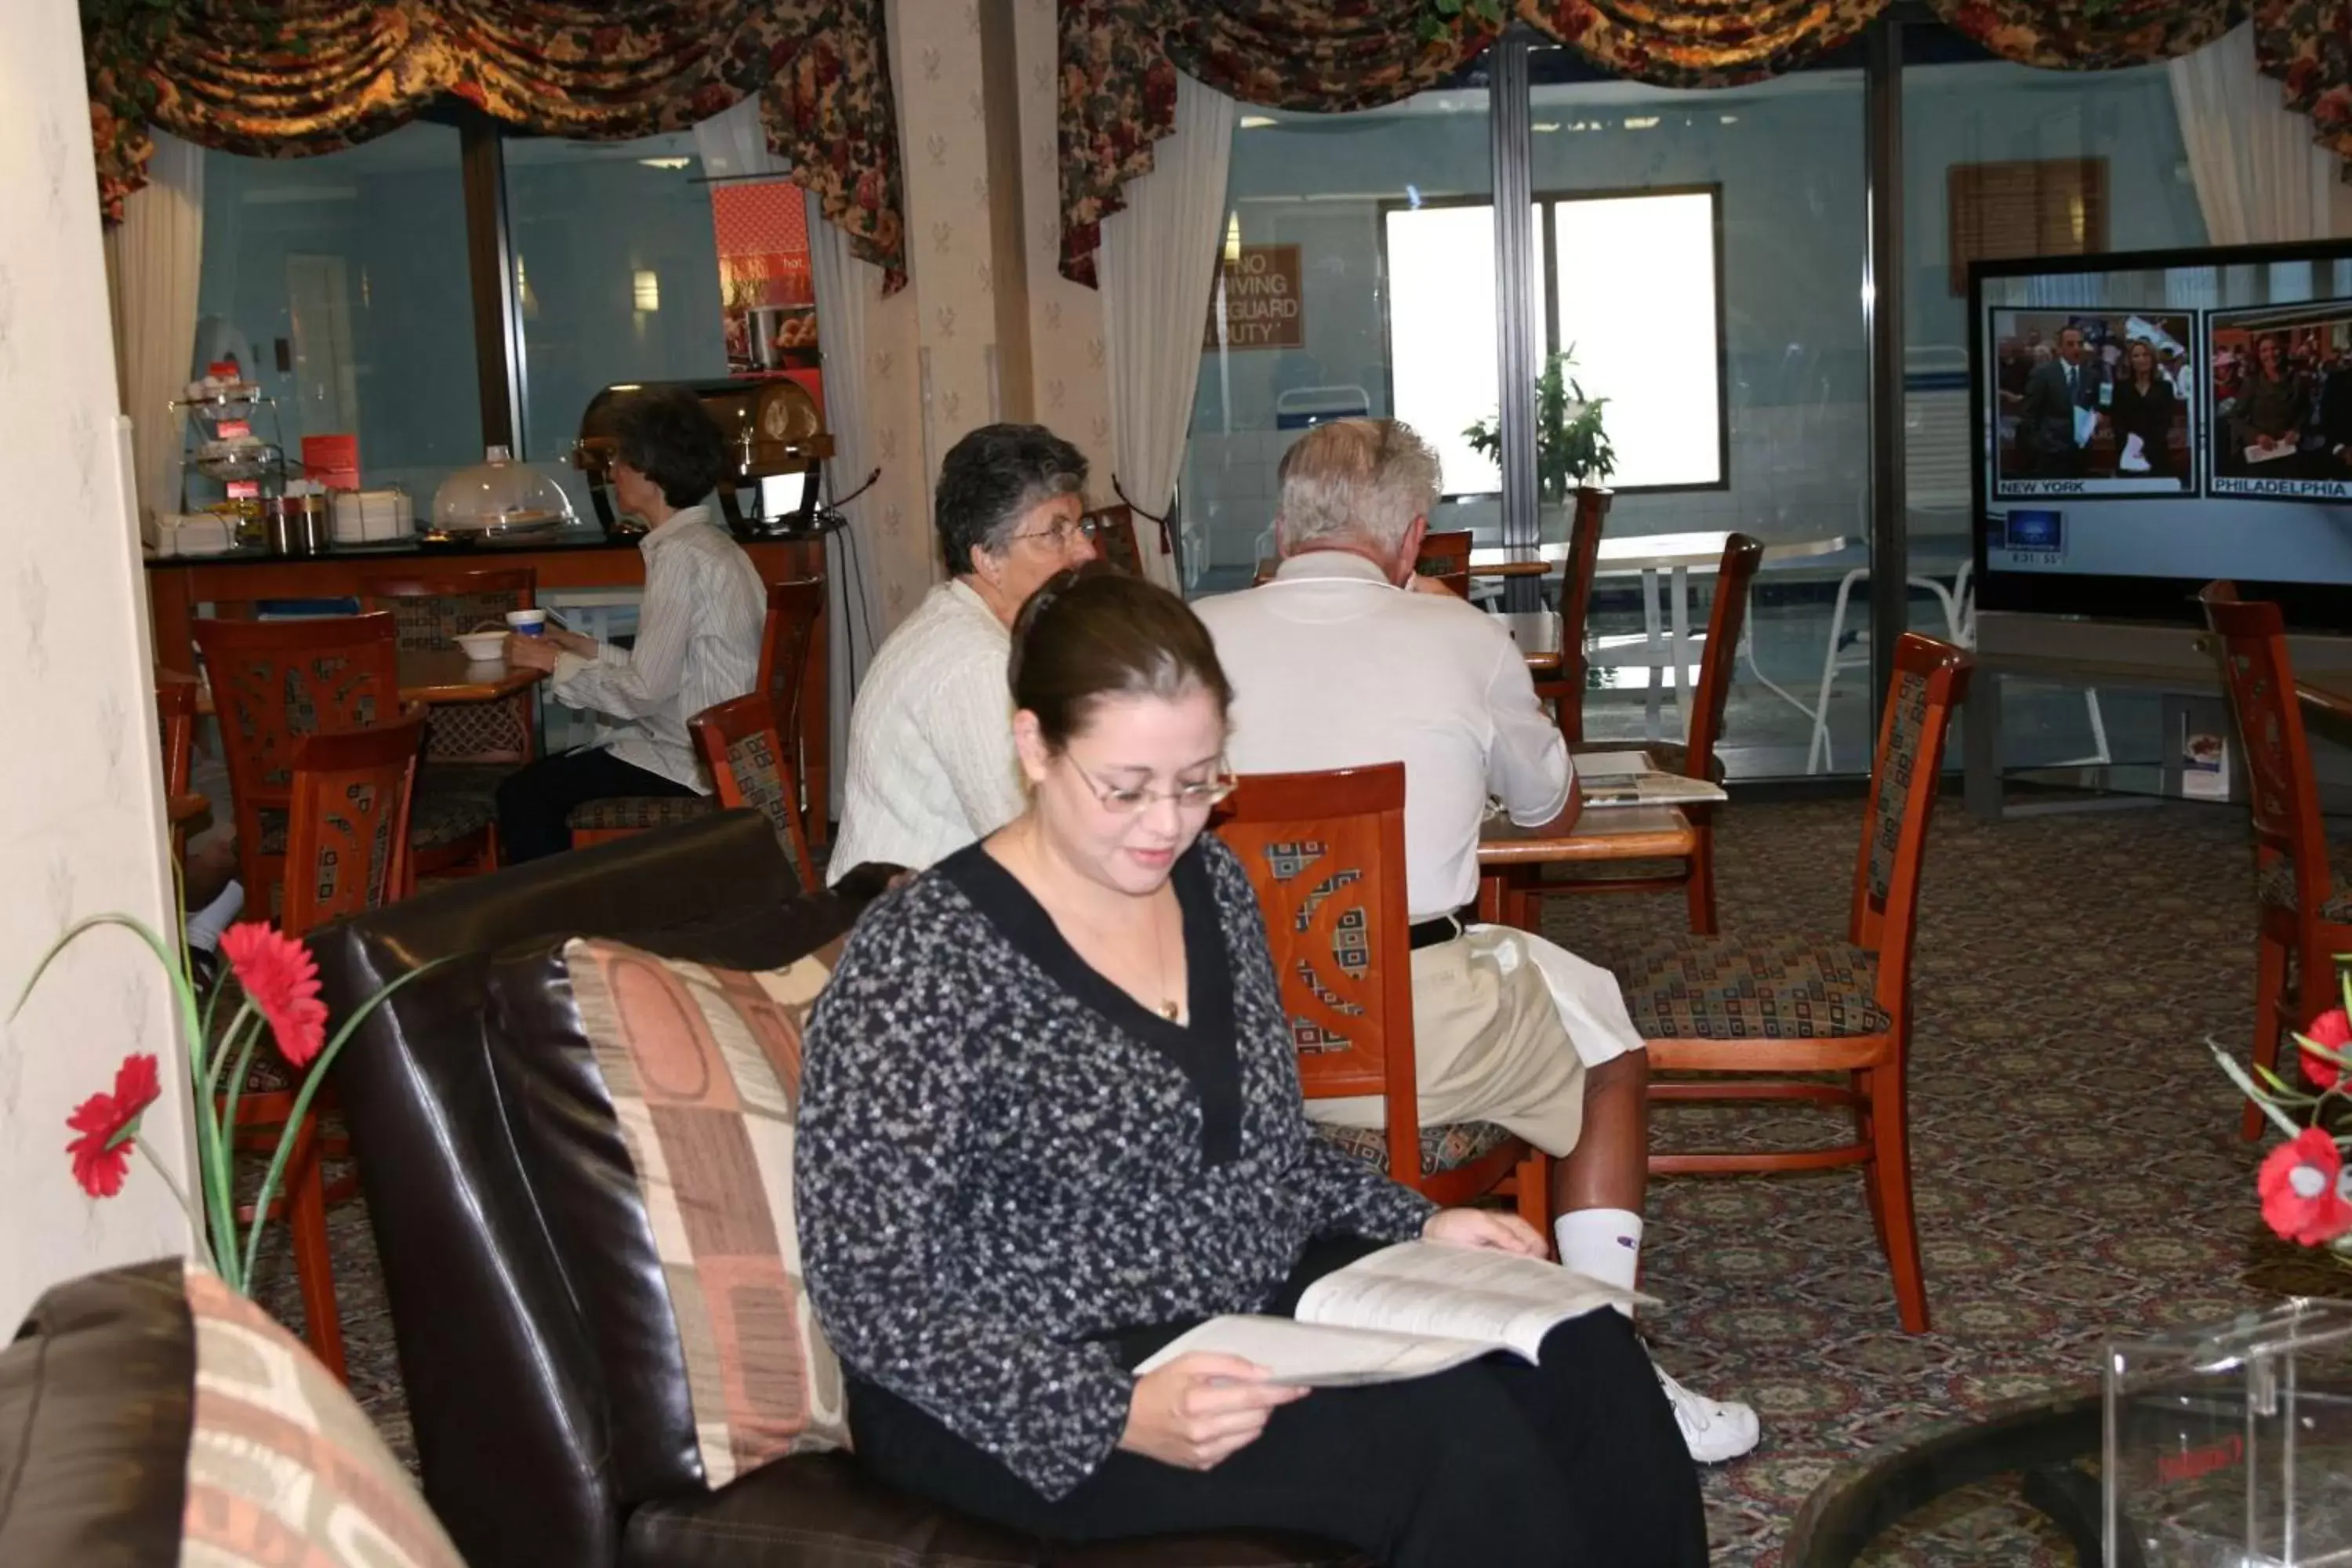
x=1127 y=801
x=1061 y=534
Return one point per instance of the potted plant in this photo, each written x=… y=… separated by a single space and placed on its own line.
x=1571 y=441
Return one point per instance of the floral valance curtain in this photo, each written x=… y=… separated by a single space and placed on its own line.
x=1119 y=58
x=303 y=77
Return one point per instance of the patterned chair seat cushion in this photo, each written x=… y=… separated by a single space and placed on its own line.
x=2277 y=888
x=629 y=812
x=476 y=781
x=435 y=822
x=1722 y=988
x=1444 y=1148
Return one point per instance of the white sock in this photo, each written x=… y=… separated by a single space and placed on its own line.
x=1603 y=1244
x=204 y=927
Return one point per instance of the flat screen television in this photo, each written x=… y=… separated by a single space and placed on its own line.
x=2146 y=422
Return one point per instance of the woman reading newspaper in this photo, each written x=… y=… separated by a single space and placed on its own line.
x=1050 y=1123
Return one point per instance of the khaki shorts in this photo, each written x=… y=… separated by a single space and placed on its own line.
x=1502 y=1032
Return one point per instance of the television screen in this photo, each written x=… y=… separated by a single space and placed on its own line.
x=2149 y=423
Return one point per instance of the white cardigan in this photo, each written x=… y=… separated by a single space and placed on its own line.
x=931 y=766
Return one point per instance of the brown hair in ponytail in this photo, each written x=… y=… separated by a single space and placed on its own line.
x=1095 y=633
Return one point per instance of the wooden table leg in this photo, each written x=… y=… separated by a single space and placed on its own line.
x=172 y=612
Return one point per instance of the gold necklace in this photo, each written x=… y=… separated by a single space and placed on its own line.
x=1171 y=1008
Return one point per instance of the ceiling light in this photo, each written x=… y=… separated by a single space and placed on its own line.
x=1642 y=122
x=1545 y=125
x=1256 y=121
x=645 y=285
x=1233 y=240
x=665 y=162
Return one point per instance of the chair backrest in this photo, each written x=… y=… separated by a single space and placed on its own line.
x=1930 y=679
x=2260 y=679
x=1725 y=618
x=276 y=681
x=430 y=608
x=176 y=717
x=1576 y=607
x=1325 y=853
x=796 y=610
x=1115 y=538
x=751 y=764
x=347 y=829
x=1446 y=557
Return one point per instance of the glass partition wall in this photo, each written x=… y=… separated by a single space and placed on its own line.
x=1705 y=258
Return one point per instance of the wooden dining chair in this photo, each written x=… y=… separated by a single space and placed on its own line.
x=1115 y=541
x=1752 y=1013
x=746 y=752
x=348 y=804
x=1695 y=759
x=431 y=610
x=2303 y=883
x=175 y=719
x=1446 y=557
x=276 y=681
x=470 y=747
x=796 y=624
x=1326 y=854
x=1565 y=690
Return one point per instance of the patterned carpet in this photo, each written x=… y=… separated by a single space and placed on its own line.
x=2078 y=1171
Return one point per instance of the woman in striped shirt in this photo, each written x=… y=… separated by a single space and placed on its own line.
x=697 y=638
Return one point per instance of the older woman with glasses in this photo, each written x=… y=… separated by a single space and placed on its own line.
x=930 y=738
x=1050 y=1119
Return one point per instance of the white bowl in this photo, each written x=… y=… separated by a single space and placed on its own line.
x=483 y=647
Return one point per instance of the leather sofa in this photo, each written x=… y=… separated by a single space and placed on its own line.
x=544 y=1376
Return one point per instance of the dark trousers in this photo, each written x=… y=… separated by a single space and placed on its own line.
x=534 y=800
x=1574 y=1461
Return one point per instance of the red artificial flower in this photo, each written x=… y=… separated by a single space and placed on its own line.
x=108 y=1125
x=279 y=975
x=2330 y=1031
x=2302 y=1197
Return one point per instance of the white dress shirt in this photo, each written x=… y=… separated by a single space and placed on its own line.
x=931 y=765
x=1333 y=666
x=698 y=643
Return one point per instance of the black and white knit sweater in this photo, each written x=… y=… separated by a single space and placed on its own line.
x=1002 y=1157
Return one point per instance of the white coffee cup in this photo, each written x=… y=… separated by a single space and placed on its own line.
x=528 y=623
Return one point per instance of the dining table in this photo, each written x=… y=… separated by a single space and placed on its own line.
x=1510 y=857
x=2331 y=695
x=430 y=676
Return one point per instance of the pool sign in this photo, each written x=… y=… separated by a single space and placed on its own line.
x=1255 y=303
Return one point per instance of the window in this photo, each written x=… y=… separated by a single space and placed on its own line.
x=339 y=284
x=1628 y=281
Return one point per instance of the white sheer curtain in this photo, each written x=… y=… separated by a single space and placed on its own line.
x=1158 y=257
x=2259 y=176
x=154 y=260
x=734 y=146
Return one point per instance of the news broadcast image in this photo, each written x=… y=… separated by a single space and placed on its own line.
x=2096 y=401
x=2282 y=402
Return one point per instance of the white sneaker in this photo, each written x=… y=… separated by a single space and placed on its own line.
x=1715 y=1430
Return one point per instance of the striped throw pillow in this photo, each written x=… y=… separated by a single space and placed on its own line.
x=283 y=1466
x=703 y=1067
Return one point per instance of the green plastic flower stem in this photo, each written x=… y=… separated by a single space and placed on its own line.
x=190 y=1209
x=302 y=1098
x=2237 y=1075
x=220 y=1169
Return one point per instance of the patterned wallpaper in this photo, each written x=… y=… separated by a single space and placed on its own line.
x=933 y=347
x=81 y=812
x=1066 y=319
